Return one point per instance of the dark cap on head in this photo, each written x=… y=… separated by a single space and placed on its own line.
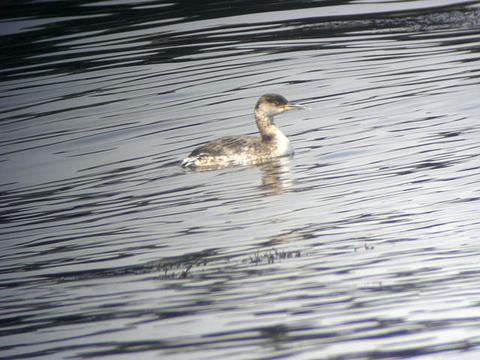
x=273 y=99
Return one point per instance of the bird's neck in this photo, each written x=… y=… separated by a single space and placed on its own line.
x=267 y=128
x=272 y=135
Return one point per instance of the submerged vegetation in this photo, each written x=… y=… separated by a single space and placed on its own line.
x=182 y=267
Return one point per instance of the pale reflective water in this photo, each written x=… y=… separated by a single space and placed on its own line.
x=364 y=245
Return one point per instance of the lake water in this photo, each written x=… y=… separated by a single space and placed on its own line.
x=364 y=245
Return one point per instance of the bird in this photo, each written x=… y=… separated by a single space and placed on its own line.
x=248 y=150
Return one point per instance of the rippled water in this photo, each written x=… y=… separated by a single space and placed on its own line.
x=364 y=245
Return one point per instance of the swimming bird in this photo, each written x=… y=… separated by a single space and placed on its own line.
x=248 y=150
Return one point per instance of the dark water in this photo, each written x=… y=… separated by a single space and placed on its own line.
x=364 y=245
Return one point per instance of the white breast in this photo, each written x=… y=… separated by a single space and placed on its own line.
x=283 y=144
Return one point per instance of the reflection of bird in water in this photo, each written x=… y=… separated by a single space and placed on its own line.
x=248 y=150
x=276 y=176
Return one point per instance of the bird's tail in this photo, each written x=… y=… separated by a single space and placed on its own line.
x=188 y=162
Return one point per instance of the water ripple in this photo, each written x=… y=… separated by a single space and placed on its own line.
x=363 y=245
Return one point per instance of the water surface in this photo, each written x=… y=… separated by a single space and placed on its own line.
x=364 y=245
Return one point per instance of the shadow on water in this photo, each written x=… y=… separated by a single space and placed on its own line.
x=126 y=33
x=363 y=245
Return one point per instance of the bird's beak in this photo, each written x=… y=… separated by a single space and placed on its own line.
x=291 y=106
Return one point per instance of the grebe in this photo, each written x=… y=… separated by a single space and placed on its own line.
x=248 y=150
